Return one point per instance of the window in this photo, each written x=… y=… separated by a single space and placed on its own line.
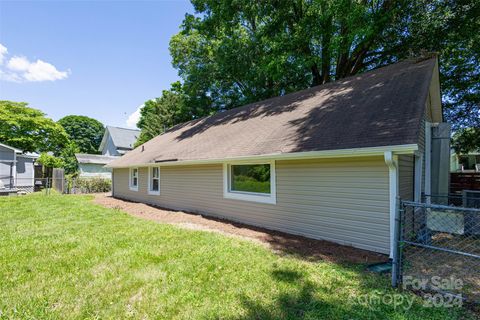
x=154 y=180
x=133 y=179
x=250 y=181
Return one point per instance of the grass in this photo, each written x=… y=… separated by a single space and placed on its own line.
x=65 y=257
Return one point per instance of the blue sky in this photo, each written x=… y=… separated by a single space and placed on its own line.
x=101 y=59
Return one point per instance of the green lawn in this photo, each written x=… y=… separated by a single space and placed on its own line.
x=65 y=257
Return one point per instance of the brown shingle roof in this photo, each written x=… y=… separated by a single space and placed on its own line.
x=381 y=107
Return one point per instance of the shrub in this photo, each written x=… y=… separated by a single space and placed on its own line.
x=91 y=185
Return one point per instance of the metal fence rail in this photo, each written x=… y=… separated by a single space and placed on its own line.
x=439 y=247
x=78 y=185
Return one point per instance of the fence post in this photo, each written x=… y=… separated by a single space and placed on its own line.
x=396 y=245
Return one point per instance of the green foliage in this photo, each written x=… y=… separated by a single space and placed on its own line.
x=28 y=129
x=86 y=132
x=160 y=114
x=92 y=185
x=50 y=161
x=64 y=257
x=68 y=156
x=251 y=178
x=232 y=53
x=466 y=140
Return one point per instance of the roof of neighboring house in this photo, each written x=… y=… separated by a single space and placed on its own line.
x=32 y=155
x=382 y=107
x=94 y=158
x=11 y=148
x=123 y=138
x=20 y=153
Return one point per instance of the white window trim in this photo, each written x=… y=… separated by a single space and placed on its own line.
x=130 y=180
x=150 y=191
x=249 y=196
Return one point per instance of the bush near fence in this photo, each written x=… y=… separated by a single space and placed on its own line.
x=88 y=185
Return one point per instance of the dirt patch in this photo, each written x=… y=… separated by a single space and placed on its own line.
x=280 y=242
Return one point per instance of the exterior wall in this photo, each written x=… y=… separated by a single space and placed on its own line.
x=406 y=168
x=25 y=173
x=88 y=170
x=6 y=154
x=6 y=159
x=344 y=200
x=110 y=149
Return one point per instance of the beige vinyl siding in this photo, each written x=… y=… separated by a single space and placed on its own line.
x=343 y=200
x=406 y=167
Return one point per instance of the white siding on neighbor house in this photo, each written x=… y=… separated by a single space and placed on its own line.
x=89 y=170
x=25 y=172
x=345 y=200
x=110 y=149
x=6 y=160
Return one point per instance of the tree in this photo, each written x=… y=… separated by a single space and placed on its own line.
x=86 y=132
x=466 y=140
x=28 y=129
x=50 y=161
x=67 y=155
x=158 y=115
x=234 y=52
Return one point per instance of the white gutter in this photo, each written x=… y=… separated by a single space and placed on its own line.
x=14 y=170
x=391 y=160
x=340 y=153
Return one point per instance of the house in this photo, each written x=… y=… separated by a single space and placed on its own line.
x=118 y=141
x=327 y=162
x=465 y=162
x=93 y=165
x=16 y=170
x=115 y=142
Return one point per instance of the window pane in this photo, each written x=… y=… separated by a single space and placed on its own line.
x=155 y=172
x=251 y=178
x=135 y=181
x=155 y=185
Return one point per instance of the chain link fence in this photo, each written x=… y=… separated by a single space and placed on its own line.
x=47 y=186
x=439 y=246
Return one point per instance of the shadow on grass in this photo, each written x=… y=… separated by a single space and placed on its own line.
x=300 y=301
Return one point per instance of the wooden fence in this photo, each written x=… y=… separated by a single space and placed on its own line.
x=460 y=181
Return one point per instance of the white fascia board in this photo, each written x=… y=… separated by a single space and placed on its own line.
x=340 y=153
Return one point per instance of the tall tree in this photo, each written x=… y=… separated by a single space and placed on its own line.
x=158 y=115
x=86 y=132
x=234 y=52
x=28 y=129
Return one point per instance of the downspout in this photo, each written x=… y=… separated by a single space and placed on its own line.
x=391 y=161
x=14 y=170
x=428 y=161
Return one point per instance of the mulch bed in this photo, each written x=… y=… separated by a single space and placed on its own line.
x=283 y=243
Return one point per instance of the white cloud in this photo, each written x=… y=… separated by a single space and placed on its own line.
x=18 y=64
x=3 y=53
x=133 y=118
x=20 y=69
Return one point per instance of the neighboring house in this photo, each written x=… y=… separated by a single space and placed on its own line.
x=93 y=165
x=115 y=142
x=327 y=162
x=465 y=162
x=16 y=169
x=118 y=141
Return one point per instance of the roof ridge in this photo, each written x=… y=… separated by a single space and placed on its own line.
x=108 y=126
x=320 y=86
